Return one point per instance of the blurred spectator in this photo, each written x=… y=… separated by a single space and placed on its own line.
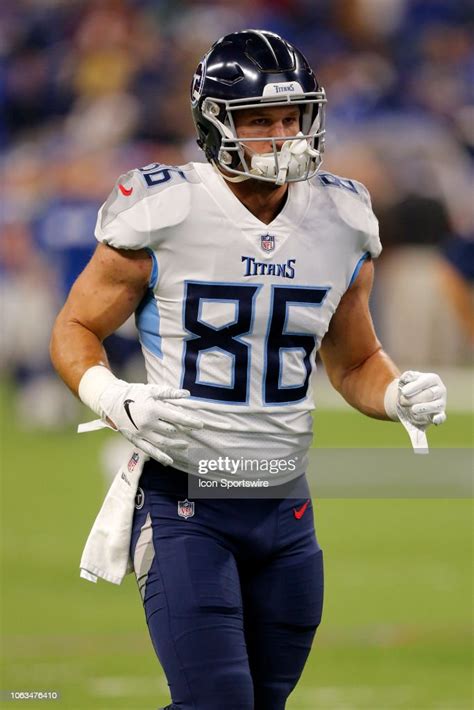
x=27 y=297
x=456 y=275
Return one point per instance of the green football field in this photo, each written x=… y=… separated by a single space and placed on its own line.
x=396 y=629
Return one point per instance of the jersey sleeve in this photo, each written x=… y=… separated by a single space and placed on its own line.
x=369 y=224
x=352 y=204
x=123 y=220
x=143 y=203
x=360 y=216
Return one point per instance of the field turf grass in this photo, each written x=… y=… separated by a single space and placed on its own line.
x=398 y=609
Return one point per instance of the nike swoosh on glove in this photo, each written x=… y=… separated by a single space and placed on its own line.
x=417 y=397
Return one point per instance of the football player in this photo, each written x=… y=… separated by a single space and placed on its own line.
x=238 y=271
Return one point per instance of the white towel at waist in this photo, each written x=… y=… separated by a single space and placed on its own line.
x=107 y=550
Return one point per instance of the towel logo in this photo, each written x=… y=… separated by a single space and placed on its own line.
x=133 y=461
x=124 y=478
x=139 y=499
x=185 y=508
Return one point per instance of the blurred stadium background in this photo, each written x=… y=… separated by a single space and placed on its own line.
x=92 y=89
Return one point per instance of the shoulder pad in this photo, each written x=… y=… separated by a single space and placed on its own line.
x=352 y=203
x=137 y=206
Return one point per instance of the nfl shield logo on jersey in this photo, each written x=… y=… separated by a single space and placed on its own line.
x=268 y=242
x=185 y=508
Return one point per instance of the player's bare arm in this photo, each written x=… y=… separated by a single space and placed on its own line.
x=104 y=296
x=355 y=362
x=106 y=293
x=364 y=374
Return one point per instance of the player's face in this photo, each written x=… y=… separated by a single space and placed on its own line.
x=267 y=122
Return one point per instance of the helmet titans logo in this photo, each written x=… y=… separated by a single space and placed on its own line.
x=287 y=88
x=198 y=83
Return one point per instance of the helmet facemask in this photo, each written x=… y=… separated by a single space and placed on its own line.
x=300 y=156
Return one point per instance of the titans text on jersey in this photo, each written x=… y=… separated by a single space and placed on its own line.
x=260 y=268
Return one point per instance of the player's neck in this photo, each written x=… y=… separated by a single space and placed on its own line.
x=263 y=200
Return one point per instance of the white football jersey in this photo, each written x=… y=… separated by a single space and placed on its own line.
x=237 y=308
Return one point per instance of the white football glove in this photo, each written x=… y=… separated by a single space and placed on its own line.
x=418 y=398
x=146 y=415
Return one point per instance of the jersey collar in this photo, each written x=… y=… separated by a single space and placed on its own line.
x=289 y=217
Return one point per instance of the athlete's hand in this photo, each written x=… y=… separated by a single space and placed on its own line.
x=418 y=398
x=146 y=415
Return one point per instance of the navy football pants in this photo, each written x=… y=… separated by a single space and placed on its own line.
x=232 y=595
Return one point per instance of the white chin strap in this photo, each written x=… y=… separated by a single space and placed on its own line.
x=293 y=161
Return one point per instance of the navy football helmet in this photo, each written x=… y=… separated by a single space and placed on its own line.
x=253 y=68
